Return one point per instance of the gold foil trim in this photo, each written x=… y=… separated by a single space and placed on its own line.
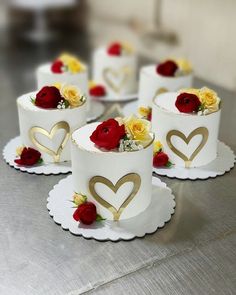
x=55 y=154
x=198 y=131
x=131 y=177
x=122 y=73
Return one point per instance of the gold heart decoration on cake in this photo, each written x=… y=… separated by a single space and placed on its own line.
x=55 y=154
x=131 y=177
x=110 y=74
x=203 y=131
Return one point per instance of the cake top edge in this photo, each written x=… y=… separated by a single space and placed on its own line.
x=189 y=102
x=53 y=98
x=111 y=137
x=151 y=70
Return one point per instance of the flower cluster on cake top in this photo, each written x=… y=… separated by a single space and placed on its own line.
x=97 y=90
x=59 y=96
x=122 y=134
x=201 y=101
x=174 y=67
x=119 y=49
x=67 y=63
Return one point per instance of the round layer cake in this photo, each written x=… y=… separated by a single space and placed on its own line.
x=151 y=84
x=118 y=183
x=189 y=139
x=48 y=130
x=116 y=72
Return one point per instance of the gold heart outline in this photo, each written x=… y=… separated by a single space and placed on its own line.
x=125 y=71
x=198 y=131
x=131 y=177
x=60 y=125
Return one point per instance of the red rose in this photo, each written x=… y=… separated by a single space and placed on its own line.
x=160 y=159
x=28 y=157
x=56 y=67
x=187 y=102
x=149 y=117
x=48 y=97
x=167 y=68
x=97 y=90
x=108 y=134
x=86 y=213
x=114 y=49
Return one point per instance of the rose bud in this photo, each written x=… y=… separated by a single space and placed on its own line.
x=160 y=159
x=86 y=213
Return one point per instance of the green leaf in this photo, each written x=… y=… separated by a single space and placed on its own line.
x=32 y=100
x=40 y=161
x=66 y=102
x=99 y=218
x=169 y=164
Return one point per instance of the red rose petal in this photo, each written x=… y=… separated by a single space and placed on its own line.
x=57 y=66
x=167 y=68
x=115 y=49
x=160 y=159
x=187 y=103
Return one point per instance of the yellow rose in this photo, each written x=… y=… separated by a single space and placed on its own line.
x=209 y=99
x=91 y=84
x=19 y=150
x=184 y=65
x=191 y=91
x=73 y=64
x=143 y=112
x=138 y=129
x=157 y=146
x=128 y=48
x=72 y=94
x=79 y=199
x=57 y=85
x=65 y=57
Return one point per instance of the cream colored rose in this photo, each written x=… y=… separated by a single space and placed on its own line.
x=73 y=95
x=157 y=146
x=143 y=112
x=138 y=129
x=184 y=65
x=72 y=63
x=191 y=91
x=79 y=199
x=209 y=99
x=19 y=150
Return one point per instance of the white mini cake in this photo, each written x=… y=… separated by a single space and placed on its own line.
x=152 y=83
x=189 y=139
x=118 y=183
x=46 y=77
x=116 y=72
x=78 y=76
x=48 y=130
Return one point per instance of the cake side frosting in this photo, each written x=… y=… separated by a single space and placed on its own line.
x=48 y=129
x=111 y=175
x=151 y=84
x=190 y=140
x=117 y=73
